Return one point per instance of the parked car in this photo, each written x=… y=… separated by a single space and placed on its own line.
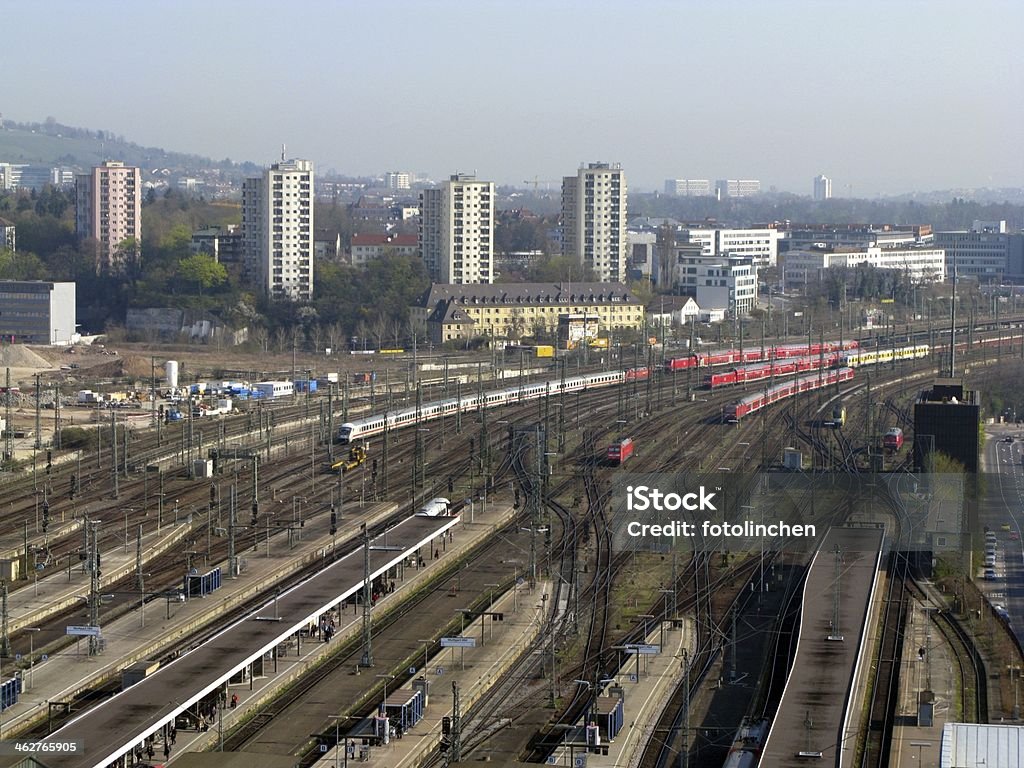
x=990 y=574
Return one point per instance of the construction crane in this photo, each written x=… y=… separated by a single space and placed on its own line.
x=545 y=182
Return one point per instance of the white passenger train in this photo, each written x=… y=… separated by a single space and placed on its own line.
x=374 y=425
x=439 y=507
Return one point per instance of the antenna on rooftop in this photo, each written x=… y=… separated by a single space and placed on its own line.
x=284 y=154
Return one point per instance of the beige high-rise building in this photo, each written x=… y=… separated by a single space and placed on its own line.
x=456 y=235
x=108 y=208
x=594 y=220
x=277 y=230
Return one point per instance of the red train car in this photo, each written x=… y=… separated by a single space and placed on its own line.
x=682 y=363
x=637 y=374
x=620 y=451
x=893 y=439
x=737 y=410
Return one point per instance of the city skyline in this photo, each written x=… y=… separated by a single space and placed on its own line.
x=866 y=92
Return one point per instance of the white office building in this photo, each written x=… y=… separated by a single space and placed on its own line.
x=802 y=267
x=760 y=245
x=737 y=188
x=594 y=220
x=716 y=281
x=456 y=234
x=822 y=187
x=277 y=230
x=689 y=187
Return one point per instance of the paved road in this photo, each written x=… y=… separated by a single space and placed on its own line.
x=1004 y=505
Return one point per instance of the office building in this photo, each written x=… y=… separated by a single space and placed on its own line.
x=456 y=234
x=37 y=312
x=737 y=188
x=822 y=187
x=986 y=252
x=277 y=230
x=761 y=245
x=689 y=187
x=108 y=209
x=594 y=220
x=802 y=267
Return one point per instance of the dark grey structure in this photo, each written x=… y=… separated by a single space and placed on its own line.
x=946 y=419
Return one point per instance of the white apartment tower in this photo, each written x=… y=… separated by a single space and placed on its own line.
x=456 y=235
x=108 y=208
x=277 y=230
x=822 y=187
x=594 y=220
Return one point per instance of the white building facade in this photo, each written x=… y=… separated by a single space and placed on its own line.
x=822 y=187
x=594 y=220
x=805 y=266
x=277 y=230
x=760 y=245
x=456 y=234
x=737 y=188
x=689 y=187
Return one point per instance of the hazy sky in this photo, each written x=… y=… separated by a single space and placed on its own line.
x=881 y=96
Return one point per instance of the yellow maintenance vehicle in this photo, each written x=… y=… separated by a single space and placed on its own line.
x=356 y=456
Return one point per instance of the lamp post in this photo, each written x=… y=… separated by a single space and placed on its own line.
x=31 y=651
x=426 y=647
x=387 y=678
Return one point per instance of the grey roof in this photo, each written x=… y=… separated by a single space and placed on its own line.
x=448 y=313
x=478 y=294
x=966 y=745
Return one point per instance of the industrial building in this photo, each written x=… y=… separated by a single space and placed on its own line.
x=37 y=312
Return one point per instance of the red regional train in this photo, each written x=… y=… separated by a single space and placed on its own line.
x=752 y=403
x=734 y=356
x=761 y=371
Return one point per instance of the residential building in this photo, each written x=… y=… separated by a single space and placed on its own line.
x=223 y=243
x=643 y=255
x=368 y=247
x=513 y=310
x=801 y=267
x=327 y=245
x=737 y=188
x=986 y=252
x=822 y=187
x=8 y=235
x=277 y=230
x=456 y=234
x=108 y=209
x=37 y=312
x=689 y=187
x=594 y=220
x=397 y=180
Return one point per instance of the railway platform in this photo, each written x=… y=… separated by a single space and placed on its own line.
x=141 y=634
x=926 y=677
x=812 y=719
x=64 y=587
x=257 y=654
x=646 y=682
x=475 y=670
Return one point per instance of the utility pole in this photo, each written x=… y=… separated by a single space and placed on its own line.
x=456 y=748
x=232 y=558
x=5 y=640
x=367 y=660
x=8 y=423
x=39 y=422
x=93 y=559
x=684 y=742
